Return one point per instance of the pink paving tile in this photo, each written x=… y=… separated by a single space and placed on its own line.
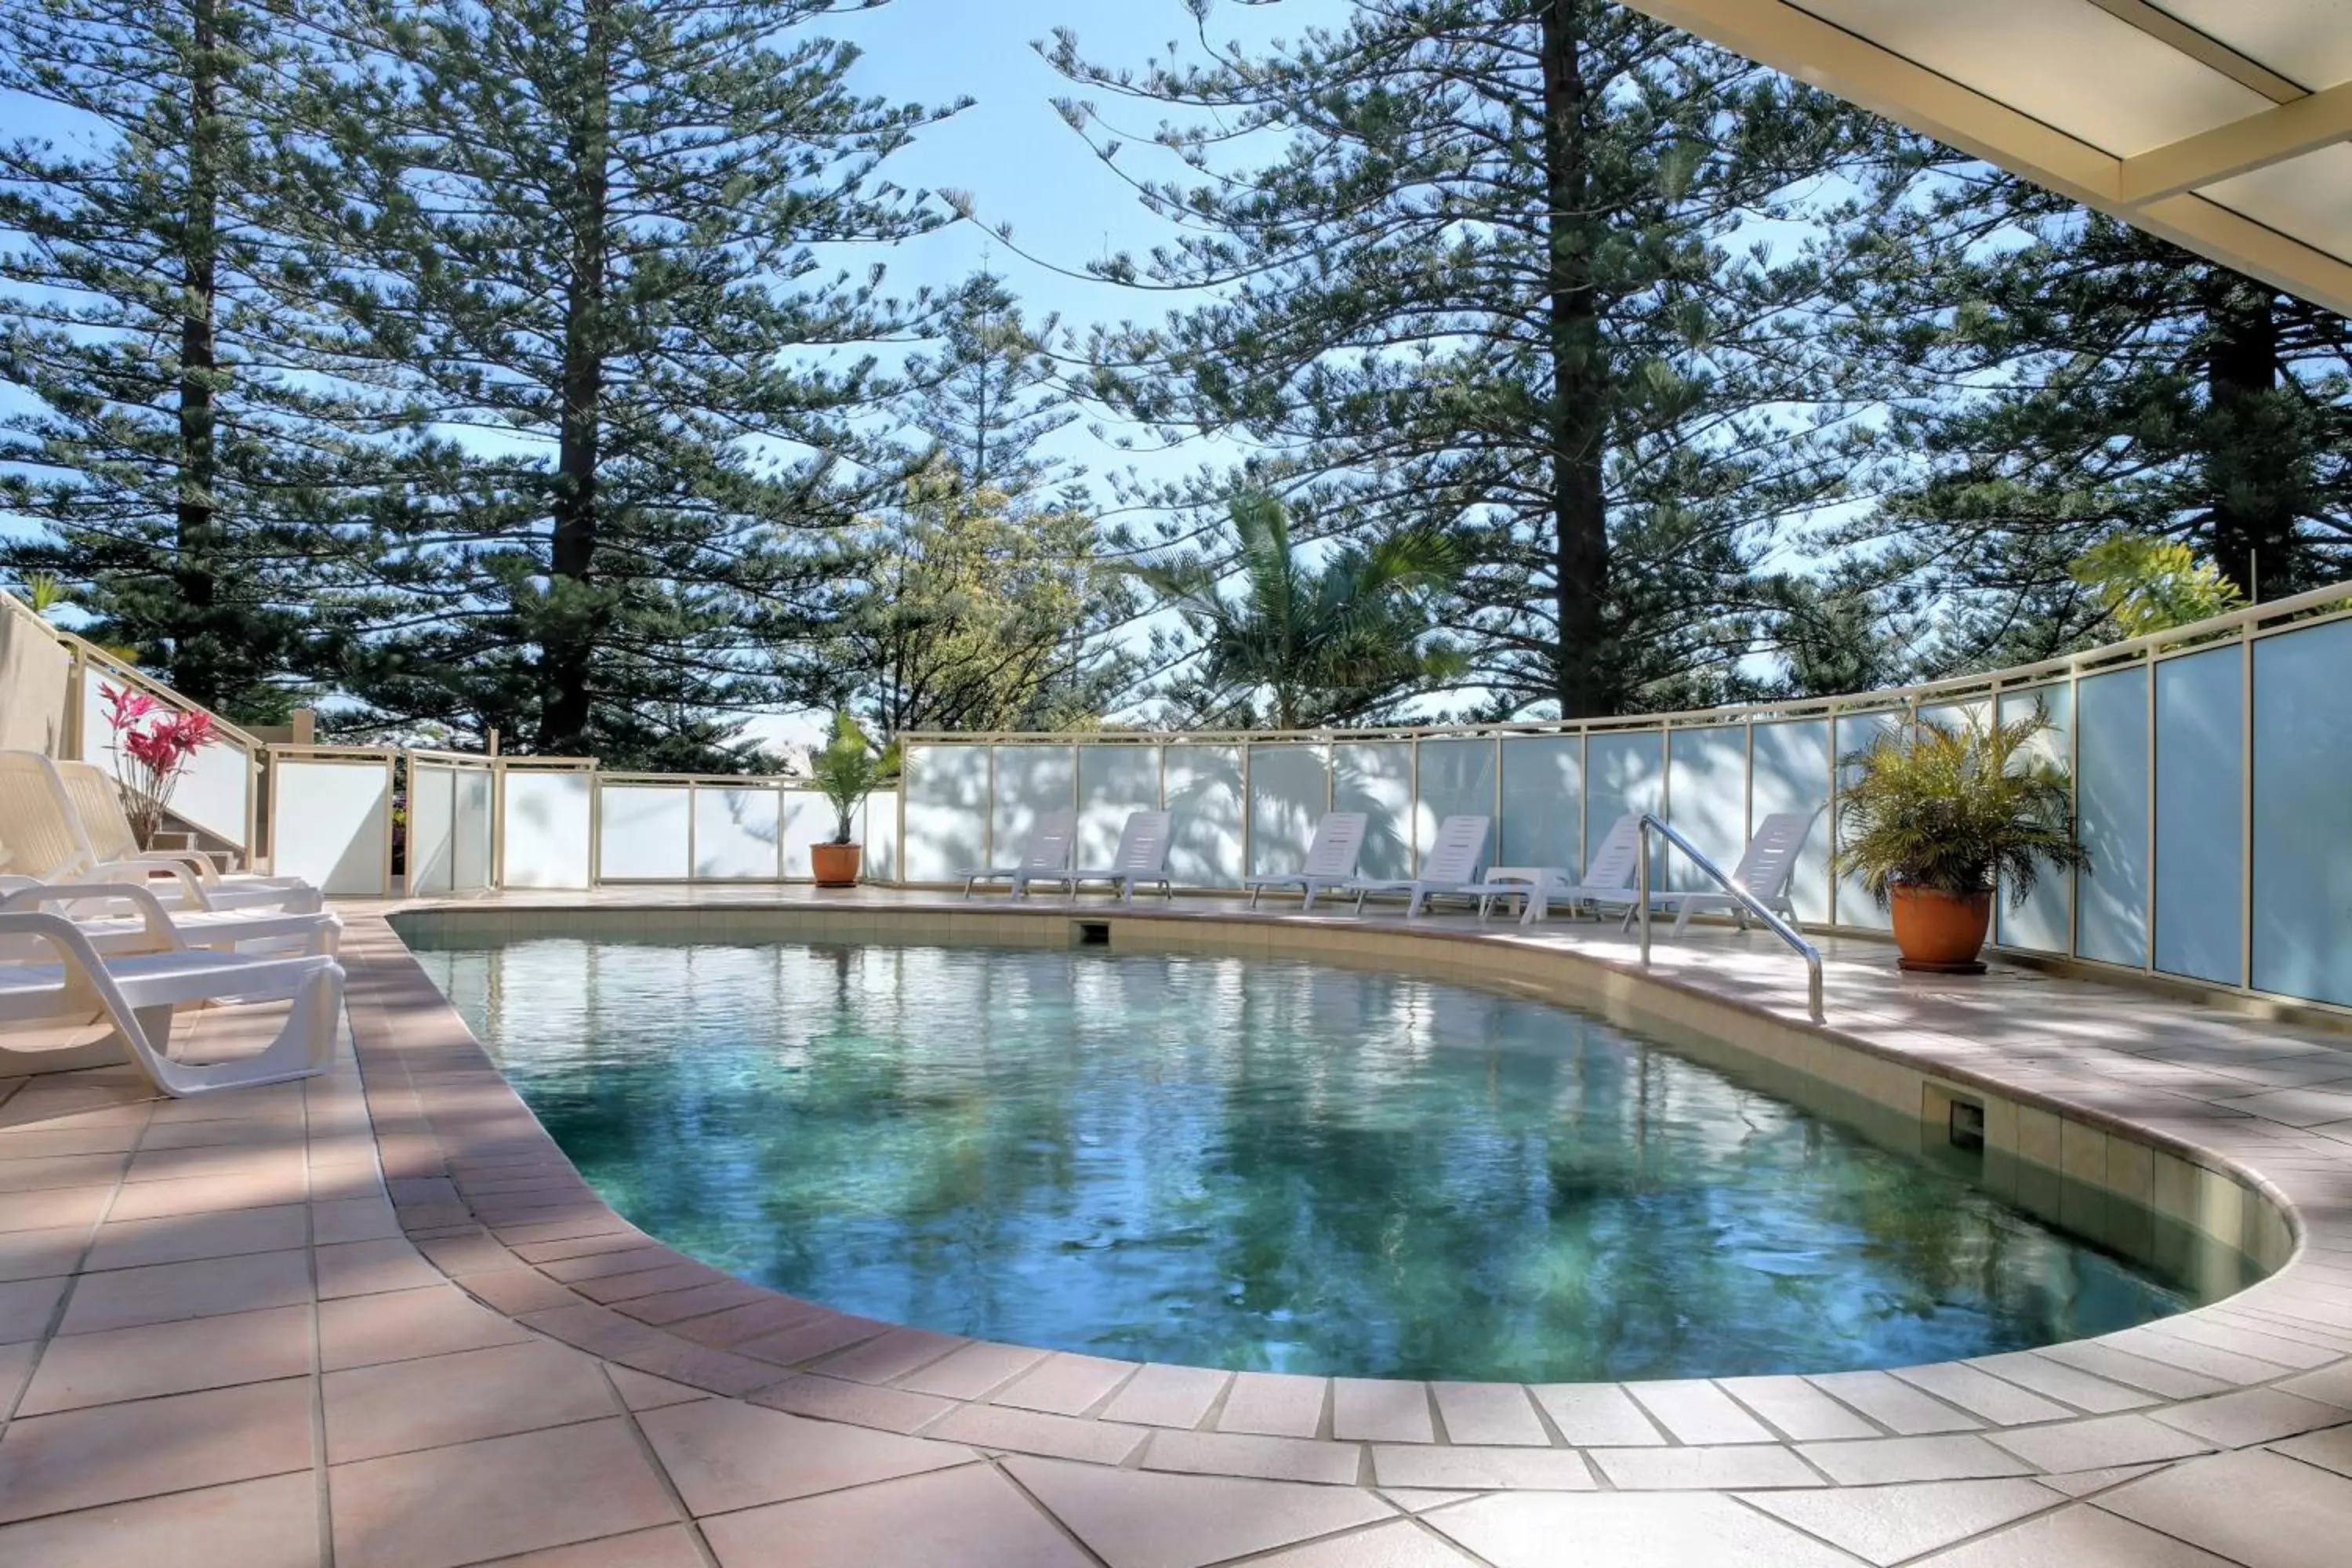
x=269 y=1524
x=354 y=1219
x=515 y=1291
x=1698 y=1412
x=496 y=1497
x=723 y=1455
x=368 y=1267
x=887 y=1358
x=388 y=1409
x=112 y=1453
x=1274 y=1404
x=1149 y=1520
x=462 y=1255
x=1527 y=1529
x=643 y=1391
x=1163 y=1395
x=757 y=1320
x=811 y=1337
x=1393 y=1545
x=859 y=1404
x=662 y=1277
x=16 y=1370
x=1388 y=1411
x=137 y=1243
x=58 y=1170
x=53 y=1208
x=636 y=1259
x=166 y=1292
x=1596 y=1414
x=714 y=1370
x=1884 y=1525
x=402 y=1325
x=278 y=1161
x=27 y=1306
x=1036 y=1432
x=677 y=1306
x=1481 y=1468
x=672 y=1546
x=206 y=1194
x=1266 y=1458
x=1066 y=1385
x=1488 y=1412
x=171 y=1358
x=971 y=1370
x=2075 y=1538
x=40 y=1254
x=970 y=1517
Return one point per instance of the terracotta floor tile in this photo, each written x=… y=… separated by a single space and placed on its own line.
x=368 y=1267
x=859 y=1404
x=16 y=1370
x=1536 y=1530
x=278 y=1161
x=269 y=1523
x=208 y=1194
x=401 y=1325
x=27 y=1306
x=1159 y=1395
x=515 y=1291
x=35 y=1143
x=352 y=1219
x=41 y=1254
x=2262 y=1509
x=970 y=1517
x=496 y=1497
x=1036 y=1432
x=1135 y=1518
x=1066 y=1385
x=643 y=1391
x=400 y=1406
x=1884 y=1525
x=2078 y=1537
x=205 y=1288
x=81 y=1370
x=1266 y=1458
x=671 y=1547
x=18 y=1175
x=53 y=1208
x=185 y=1238
x=723 y=1453
x=253 y=1133
x=111 y=1453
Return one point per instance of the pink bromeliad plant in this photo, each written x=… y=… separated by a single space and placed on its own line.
x=153 y=748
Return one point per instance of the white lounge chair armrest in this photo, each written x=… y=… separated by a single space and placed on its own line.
x=190 y=886
x=201 y=864
x=161 y=931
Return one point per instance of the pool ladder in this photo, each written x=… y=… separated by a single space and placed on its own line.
x=1652 y=823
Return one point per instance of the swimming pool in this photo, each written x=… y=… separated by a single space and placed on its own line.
x=1253 y=1164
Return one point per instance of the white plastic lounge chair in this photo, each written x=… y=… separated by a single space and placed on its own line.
x=49 y=840
x=1330 y=861
x=1450 y=866
x=1765 y=869
x=1608 y=880
x=1048 y=850
x=137 y=995
x=121 y=918
x=1141 y=857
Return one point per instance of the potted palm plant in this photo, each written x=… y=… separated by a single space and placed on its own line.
x=1939 y=816
x=849 y=768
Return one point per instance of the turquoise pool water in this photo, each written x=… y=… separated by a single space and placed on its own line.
x=1253 y=1164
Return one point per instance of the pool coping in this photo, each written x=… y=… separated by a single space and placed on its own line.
x=481 y=1189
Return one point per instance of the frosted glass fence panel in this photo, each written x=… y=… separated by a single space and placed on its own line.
x=214 y=791
x=808 y=820
x=1457 y=778
x=1290 y=787
x=1543 y=802
x=472 y=855
x=947 y=812
x=1029 y=780
x=1204 y=793
x=432 y=829
x=1113 y=780
x=2111 y=804
x=1790 y=771
x=1706 y=798
x=330 y=825
x=739 y=833
x=2045 y=921
x=642 y=832
x=881 y=837
x=1852 y=733
x=1377 y=780
x=2200 y=845
x=2302 y=814
x=545 y=828
x=1624 y=772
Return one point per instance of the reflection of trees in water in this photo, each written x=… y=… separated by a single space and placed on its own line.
x=1262 y=1164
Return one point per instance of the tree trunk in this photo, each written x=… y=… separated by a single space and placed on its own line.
x=576 y=623
x=2248 y=475
x=196 y=653
x=1580 y=511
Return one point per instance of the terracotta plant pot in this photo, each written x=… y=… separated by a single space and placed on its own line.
x=1939 y=931
x=835 y=864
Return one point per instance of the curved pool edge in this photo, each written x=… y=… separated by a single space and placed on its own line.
x=480 y=1187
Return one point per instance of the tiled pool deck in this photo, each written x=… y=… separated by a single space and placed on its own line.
x=376 y=1319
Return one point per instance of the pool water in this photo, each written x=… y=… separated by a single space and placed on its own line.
x=1253 y=1164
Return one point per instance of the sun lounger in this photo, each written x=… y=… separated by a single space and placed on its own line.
x=1048 y=850
x=1608 y=880
x=1765 y=868
x=1451 y=867
x=1141 y=857
x=1331 y=860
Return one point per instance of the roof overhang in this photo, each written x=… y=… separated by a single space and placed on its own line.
x=2223 y=125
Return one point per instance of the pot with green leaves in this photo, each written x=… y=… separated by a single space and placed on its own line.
x=1937 y=816
x=848 y=770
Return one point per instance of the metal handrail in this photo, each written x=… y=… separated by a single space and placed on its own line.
x=1652 y=821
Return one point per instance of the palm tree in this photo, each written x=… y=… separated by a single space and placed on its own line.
x=1325 y=646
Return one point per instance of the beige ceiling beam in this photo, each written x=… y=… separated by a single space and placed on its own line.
x=1801 y=45
x=2202 y=47
x=2256 y=141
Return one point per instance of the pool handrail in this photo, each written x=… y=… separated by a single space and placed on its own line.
x=1652 y=823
